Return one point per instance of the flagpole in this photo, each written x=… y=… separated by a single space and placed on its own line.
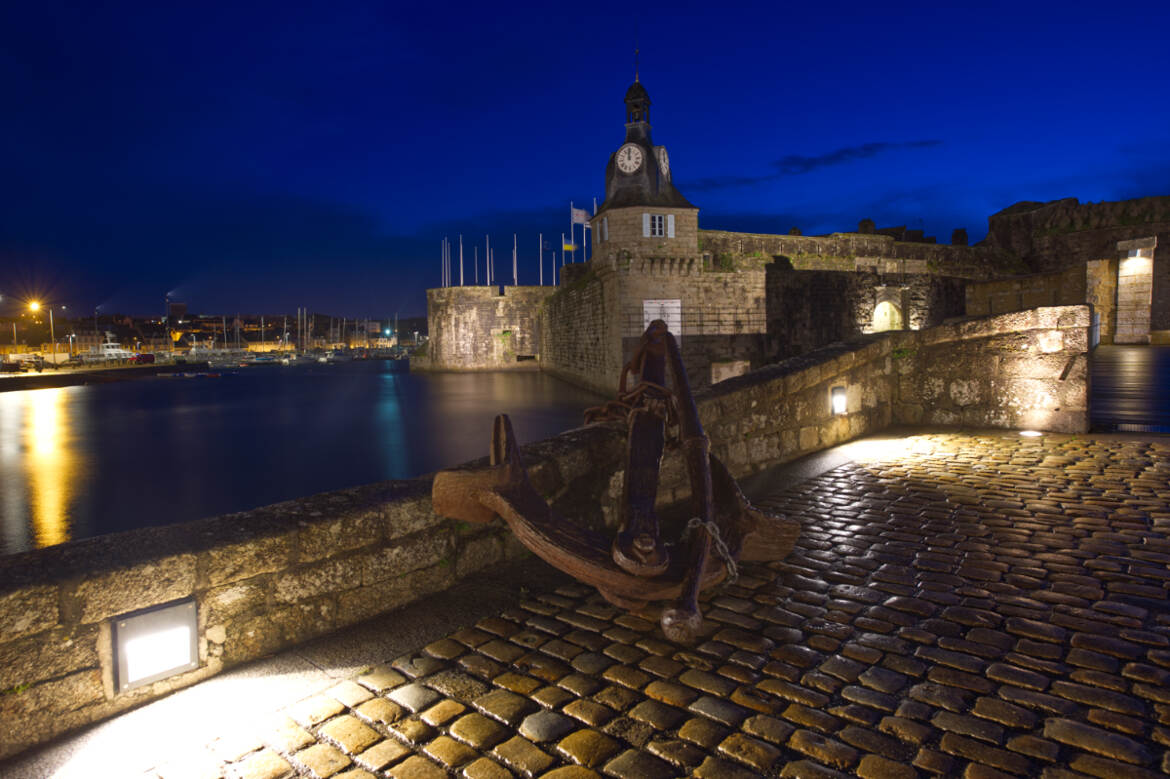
x=461 y=259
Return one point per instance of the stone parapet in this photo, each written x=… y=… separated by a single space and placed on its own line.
x=262 y=580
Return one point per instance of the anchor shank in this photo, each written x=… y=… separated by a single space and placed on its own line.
x=638 y=547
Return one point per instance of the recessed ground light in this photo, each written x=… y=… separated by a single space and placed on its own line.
x=155 y=643
x=837 y=396
x=1031 y=433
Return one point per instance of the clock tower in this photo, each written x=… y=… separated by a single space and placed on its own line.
x=643 y=213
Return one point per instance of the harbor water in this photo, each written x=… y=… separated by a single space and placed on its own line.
x=77 y=462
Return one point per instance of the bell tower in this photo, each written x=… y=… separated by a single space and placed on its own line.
x=643 y=213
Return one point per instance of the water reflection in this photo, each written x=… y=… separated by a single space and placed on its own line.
x=85 y=461
x=40 y=467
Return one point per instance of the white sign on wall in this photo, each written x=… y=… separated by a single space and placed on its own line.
x=668 y=310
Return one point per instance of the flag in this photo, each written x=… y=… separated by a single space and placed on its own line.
x=580 y=216
x=569 y=247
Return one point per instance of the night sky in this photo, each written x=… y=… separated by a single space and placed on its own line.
x=262 y=156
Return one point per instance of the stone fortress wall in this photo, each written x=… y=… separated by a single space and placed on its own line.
x=751 y=299
x=483 y=328
x=265 y=579
x=1064 y=234
x=853 y=252
x=745 y=302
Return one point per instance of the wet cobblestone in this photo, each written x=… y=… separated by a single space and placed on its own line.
x=957 y=605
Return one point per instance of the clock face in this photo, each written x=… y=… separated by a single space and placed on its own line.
x=629 y=158
x=663 y=160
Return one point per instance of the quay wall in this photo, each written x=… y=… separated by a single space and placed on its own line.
x=276 y=576
x=262 y=580
x=81 y=376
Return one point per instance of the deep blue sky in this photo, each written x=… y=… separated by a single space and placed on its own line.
x=258 y=156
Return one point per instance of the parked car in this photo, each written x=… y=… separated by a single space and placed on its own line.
x=146 y=358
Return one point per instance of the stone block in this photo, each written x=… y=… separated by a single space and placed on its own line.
x=245 y=559
x=252 y=637
x=27 y=610
x=321 y=538
x=411 y=554
x=56 y=653
x=364 y=602
x=409 y=514
x=478 y=553
x=107 y=594
x=68 y=693
x=231 y=601
x=305 y=582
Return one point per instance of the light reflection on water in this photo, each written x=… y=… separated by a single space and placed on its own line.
x=83 y=461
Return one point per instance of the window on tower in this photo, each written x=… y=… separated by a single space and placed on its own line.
x=657 y=226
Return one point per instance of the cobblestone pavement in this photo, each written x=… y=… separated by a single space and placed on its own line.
x=961 y=605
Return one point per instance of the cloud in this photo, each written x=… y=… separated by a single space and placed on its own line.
x=797 y=164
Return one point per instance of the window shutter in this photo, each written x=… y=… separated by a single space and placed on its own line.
x=645 y=225
x=670 y=225
x=605 y=228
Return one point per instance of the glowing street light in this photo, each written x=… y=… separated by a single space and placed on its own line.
x=35 y=306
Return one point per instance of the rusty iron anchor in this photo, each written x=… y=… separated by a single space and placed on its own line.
x=636 y=566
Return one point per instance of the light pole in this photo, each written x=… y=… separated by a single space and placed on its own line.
x=34 y=307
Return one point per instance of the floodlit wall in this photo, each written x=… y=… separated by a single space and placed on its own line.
x=480 y=328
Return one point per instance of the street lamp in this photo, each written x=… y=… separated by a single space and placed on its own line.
x=35 y=306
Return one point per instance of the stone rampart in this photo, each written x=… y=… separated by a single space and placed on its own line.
x=1060 y=288
x=1064 y=233
x=582 y=339
x=478 y=328
x=852 y=252
x=262 y=580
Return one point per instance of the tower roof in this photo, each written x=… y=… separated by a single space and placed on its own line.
x=637 y=92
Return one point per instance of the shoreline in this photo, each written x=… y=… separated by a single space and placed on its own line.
x=74 y=378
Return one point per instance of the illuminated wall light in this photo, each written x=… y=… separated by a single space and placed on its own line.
x=837 y=398
x=155 y=644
